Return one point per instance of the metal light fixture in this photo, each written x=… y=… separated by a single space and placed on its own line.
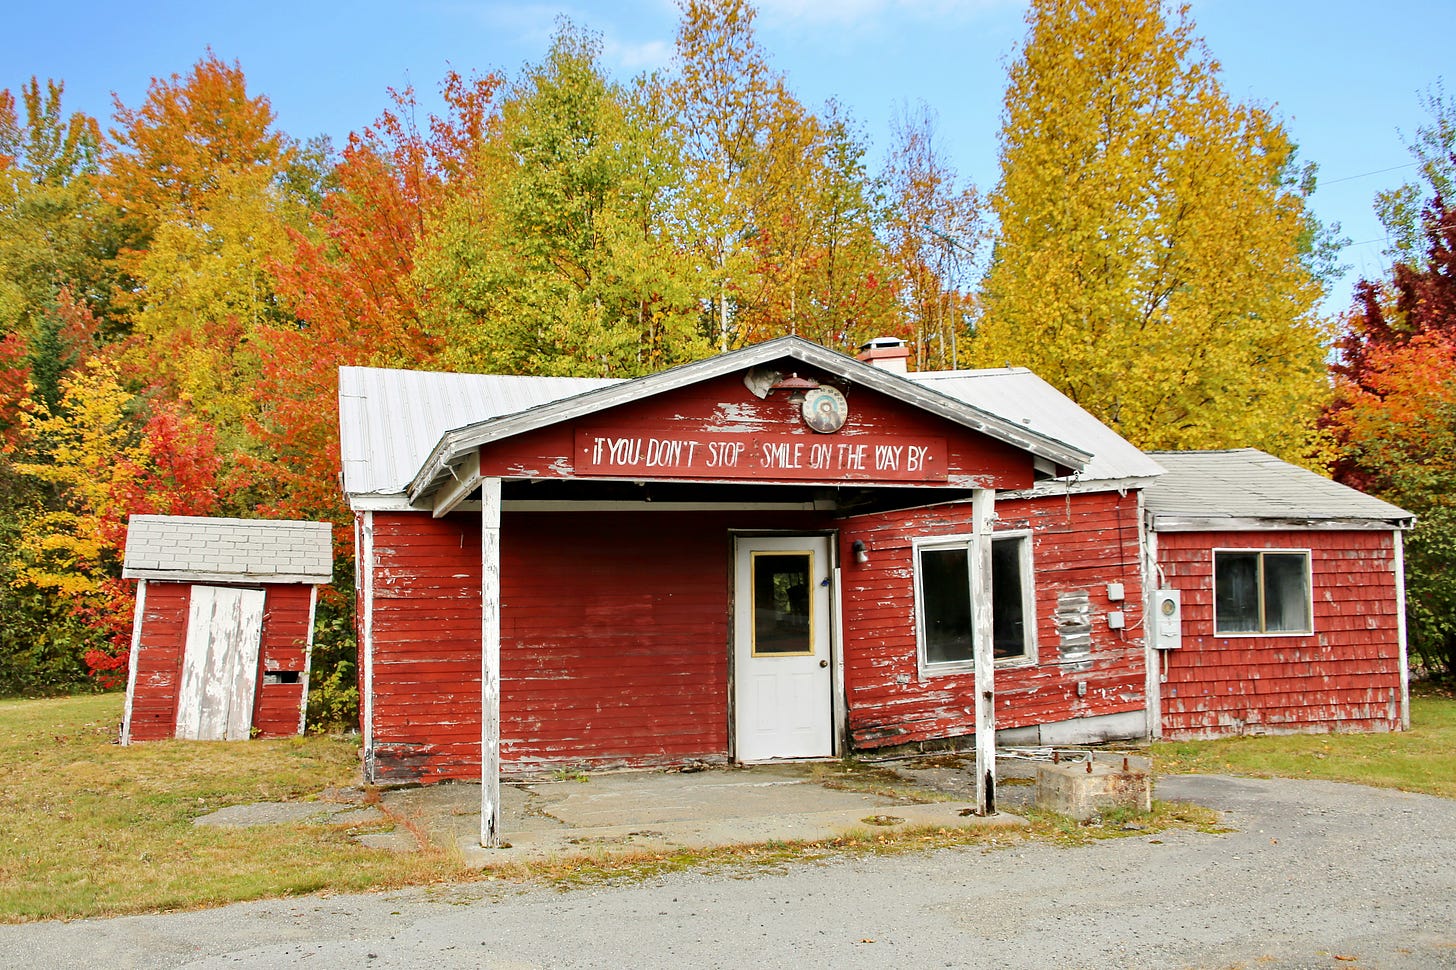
x=797 y=385
x=861 y=551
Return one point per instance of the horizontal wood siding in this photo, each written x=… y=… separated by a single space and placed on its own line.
x=725 y=406
x=614 y=639
x=1080 y=543
x=159 y=661
x=1344 y=677
x=284 y=648
x=426 y=650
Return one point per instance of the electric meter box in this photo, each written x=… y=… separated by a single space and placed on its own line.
x=1167 y=619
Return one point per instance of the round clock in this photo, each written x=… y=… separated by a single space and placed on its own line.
x=825 y=409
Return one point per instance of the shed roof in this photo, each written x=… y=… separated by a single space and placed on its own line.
x=1019 y=395
x=1245 y=488
x=190 y=548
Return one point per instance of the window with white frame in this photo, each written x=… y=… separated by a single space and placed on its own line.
x=943 y=599
x=1261 y=591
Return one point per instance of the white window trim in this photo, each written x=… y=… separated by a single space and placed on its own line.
x=1308 y=588
x=966 y=541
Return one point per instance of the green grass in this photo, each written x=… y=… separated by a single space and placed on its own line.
x=1422 y=759
x=95 y=829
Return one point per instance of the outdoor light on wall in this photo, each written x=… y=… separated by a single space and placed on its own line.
x=861 y=551
x=796 y=385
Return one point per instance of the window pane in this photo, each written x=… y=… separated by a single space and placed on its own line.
x=781 y=603
x=1007 y=612
x=1235 y=592
x=945 y=608
x=1286 y=592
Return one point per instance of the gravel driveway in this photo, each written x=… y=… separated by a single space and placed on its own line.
x=1316 y=875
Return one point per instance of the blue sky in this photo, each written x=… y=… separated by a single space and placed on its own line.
x=1343 y=74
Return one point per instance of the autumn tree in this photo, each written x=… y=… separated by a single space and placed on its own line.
x=1149 y=259
x=815 y=264
x=934 y=231
x=103 y=455
x=200 y=171
x=1433 y=148
x=1394 y=417
x=58 y=240
x=350 y=283
x=743 y=132
x=556 y=258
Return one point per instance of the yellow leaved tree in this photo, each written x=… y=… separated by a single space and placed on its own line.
x=1153 y=256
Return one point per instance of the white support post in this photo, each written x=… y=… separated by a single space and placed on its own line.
x=364 y=567
x=1398 y=538
x=983 y=505
x=490 y=806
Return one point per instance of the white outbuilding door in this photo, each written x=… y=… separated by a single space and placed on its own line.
x=220 y=664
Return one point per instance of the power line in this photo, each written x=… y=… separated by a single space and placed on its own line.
x=1364 y=175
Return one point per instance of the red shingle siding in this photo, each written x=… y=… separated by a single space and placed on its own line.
x=1080 y=543
x=1344 y=677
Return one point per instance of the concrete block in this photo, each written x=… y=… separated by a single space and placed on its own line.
x=1069 y=788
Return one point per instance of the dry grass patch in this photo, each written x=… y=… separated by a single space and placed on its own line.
x=854 y=776
x=96 y=829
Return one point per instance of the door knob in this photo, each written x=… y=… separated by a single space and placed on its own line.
x=824 y=663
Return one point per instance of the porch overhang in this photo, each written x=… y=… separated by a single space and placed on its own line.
x=449 y=474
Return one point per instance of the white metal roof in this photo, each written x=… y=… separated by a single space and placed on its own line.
x=455 y=446
x=1020 y=396
x=389 y=420
x=1245 y=488
x=393 y=420
x=190 y=548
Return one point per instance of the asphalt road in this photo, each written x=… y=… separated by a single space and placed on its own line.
x=1316 y=875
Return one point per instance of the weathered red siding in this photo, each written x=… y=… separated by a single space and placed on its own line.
x=426 y=653
x=1079 y=543
x=159 y=661
x=614 y=639
x=1344 y=677
x=284 y=648
x=163 y=641
x=725 y=406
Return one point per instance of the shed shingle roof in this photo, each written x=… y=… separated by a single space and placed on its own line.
x=1245 y=487
x=188 y=548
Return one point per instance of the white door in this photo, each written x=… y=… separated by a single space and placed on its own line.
x=220 y=664
x=783 y=682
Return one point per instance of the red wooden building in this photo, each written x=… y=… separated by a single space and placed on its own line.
x=779 y=552
x=1290 y=592
x=224 y=625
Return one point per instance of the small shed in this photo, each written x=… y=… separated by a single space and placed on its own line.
x=223 y=626
x=1280 y=599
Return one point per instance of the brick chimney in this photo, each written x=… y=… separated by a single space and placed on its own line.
x=887 y=353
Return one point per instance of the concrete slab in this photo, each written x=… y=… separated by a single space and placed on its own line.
x=650 y=811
